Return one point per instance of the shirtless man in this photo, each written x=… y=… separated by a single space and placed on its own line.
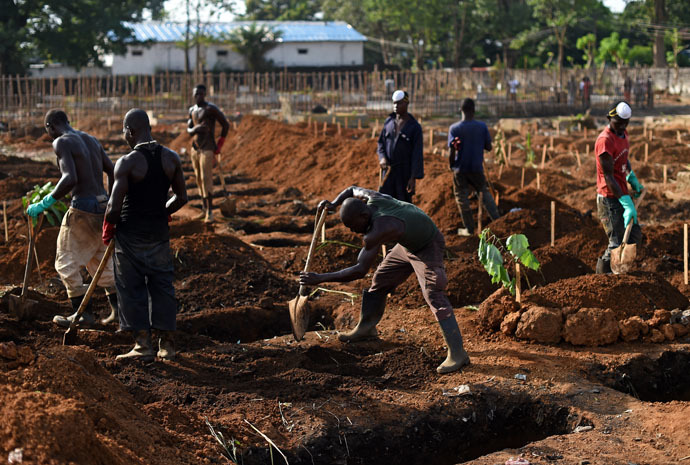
x=137 y=217
x=201 y=124
x=419 y=248
x=82 y=162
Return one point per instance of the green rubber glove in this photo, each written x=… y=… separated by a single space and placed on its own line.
x=635 y=183
x=37 y=208
x=629 y=212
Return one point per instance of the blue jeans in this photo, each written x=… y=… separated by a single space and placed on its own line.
x=610 y=212
x=93 y=204
x=144 y=281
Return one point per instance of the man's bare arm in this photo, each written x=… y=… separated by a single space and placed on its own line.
x=108 y=169
x=222 y=120
x=68 y=170
x=365 y=260
x=352 y=191
x=179 y=197
x=606 y=161
x=120 y=188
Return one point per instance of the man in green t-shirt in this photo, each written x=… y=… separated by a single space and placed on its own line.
x=419 y=248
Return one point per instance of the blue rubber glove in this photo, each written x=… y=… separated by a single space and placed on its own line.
x=635 y=183
x=37 y=208
x=629 y=212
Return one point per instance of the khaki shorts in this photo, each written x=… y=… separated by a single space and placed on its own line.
x=202 y=162
x=79 y=244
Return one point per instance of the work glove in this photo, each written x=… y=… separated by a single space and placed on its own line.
x=629 y=212
x=108 y=231
x=37 y=208
x=219 y=145
x=635 y=183
x=455 y=143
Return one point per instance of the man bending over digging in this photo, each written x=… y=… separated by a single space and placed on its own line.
x=419 y=248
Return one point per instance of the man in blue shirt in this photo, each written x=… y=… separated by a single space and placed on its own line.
x=467 y=140
x=400 y=151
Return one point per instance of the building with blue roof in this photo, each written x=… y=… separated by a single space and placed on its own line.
x=303 y=44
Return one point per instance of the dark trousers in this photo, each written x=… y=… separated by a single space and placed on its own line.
x=463 y=185
x=610 y=212
x=144 y=281
x=427 y=264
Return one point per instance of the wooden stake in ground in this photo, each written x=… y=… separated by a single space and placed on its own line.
x=316 y=129
x=522 y=179
x=4 y=219
x=644 y=132
x=518 y=278
x=347 y=122
x=309 y=122
x=551 y=143
x=651 y=135
x=359 y=123
x=500 y=172
x=234 y=125
x=577 y=155
x=579 y=127
x=538 y=182
x=479 y=212
x=585 y=132
x=339 y=132
x=587 y=151
x=685 y=254
x=543 y=157
x=325 y=126
x=373 y=132
x=510 y=150
x=646 y=152
x=431 y=136
x=678 y=137
x=665 y=174
x=553 y=223
x=333 y=120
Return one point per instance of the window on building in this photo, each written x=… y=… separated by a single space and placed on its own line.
x=137 y=53
x=221 y=53
x=302 y=51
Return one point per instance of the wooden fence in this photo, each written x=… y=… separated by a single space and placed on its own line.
x=432 y=92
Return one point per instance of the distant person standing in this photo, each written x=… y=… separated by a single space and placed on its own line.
x=627 y=88
x=400 y=151
x=202 y=122
x=513 y=85
x=586 y=90
x=572 y=90
x=467 y=140
x=650 y=92
x=137 y=218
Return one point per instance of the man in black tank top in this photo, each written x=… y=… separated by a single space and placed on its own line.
x=137 y=217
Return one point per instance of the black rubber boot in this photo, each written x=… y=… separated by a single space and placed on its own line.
x=373 y=305
x=457 y=356
x=112 y=300
x=166 y=345
x=86 y=318
x=603 y=266
x=143 y=349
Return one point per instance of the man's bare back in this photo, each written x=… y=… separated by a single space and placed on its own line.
x=81 y=154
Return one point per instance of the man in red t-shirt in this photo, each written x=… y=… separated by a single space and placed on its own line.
x=614 y=204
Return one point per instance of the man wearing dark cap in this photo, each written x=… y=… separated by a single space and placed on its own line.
x=467 y=140
x=614 y=204
x=419 y=248
x=201 y=124
x=400 y=151
x=82 y=162
x=137 y=217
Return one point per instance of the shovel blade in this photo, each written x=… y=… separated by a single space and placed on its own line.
x=622 y=258
x=299 y=316
x=22 y=309
x=228 y=206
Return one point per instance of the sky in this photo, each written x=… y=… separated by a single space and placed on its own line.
x=176 y=9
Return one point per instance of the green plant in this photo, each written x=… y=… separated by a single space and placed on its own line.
x=53 y=214
x=229 y=450
x=492 y=251
x=530 y=155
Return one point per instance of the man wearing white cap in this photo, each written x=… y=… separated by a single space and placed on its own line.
x=614 y=204
x=400 y=151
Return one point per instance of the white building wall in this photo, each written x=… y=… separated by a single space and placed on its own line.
x=317 y=54
x=163 y=57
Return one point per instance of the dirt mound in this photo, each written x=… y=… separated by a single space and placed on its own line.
x=69 y=409
x=14 y=256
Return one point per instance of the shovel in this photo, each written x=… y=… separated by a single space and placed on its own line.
x=21 y=306
x=228 y=204
x=299 y=307
x=623 y=256
x=71 y=334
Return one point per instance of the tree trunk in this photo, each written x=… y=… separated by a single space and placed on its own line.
x=659 y=48
x=186 y=40
x=197 y=35
x=561 y=39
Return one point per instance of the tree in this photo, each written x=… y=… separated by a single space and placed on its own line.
x=281 y=10
x=613 y=48
x=253 y=42
x=588 y=44
x=73 y=32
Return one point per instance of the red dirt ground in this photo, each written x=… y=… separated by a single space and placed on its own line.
x=324 y=402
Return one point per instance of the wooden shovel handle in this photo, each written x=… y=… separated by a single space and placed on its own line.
x=96 y=277
x=628 y=228
x=321 y=215
x=29 y=258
